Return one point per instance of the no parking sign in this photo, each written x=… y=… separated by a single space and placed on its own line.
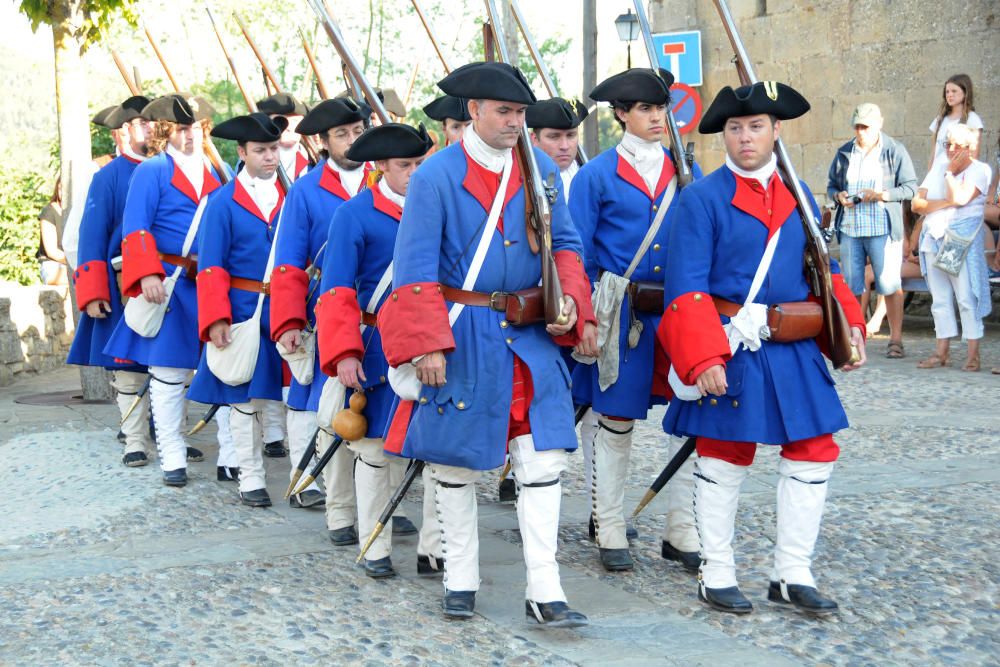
x=686 y=105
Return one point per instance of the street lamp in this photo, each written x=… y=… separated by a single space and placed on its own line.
x=627 y=25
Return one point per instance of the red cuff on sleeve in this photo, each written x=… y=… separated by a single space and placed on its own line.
x=574 y=283
x=852 y=309
x=692 y=335
x=338 y=321
x=213 y=299
x=414 y=321
x=91 y=282
x=139 y=259
x=289 y=289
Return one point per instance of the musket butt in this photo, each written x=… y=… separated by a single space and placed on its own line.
x=646 y=499
x=306 y=482
x=197 y=427
x=371 y=539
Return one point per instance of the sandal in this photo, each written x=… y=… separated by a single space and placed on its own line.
x=895 y=350
x=934 y=361
x=971 y=365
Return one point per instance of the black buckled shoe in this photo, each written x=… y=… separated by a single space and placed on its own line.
x=195 y=455
x=308 y=498
x=616 y=560
x=343 y=537
x=224 y=474
x=459 y=604
x=402 y=526
x=805 y=598
x=554 y=614
x=689 y=559
x=135 y=459
x=255 y=498
x=175 y=477
x=631 y=533
x=730 y=599
x=507 y=491
x=379 y=568
x=275 y=450
x=429 y=566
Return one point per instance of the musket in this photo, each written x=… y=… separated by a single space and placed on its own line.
x=303 y=462
x=543 y=70
x=268 y=76
x=673 y=465
x=283 y=178
x=318 y=468
x=212 y=154
x=320 y=85
x=205 y=418
x=683 y=157
x=130 y=83
x=138 y=397
x=409 y=87
x=350 y=63
x=430 y=34
x=539 y=196
x=836 y=329
x=411 y=473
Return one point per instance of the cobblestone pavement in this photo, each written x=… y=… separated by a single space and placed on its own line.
x=103 y=565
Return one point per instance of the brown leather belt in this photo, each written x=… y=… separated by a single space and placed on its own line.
x=190 y=264
x=788 y=322
x=520 y=308
x=369 y=319
x=250 y=285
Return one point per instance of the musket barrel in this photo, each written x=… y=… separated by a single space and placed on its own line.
x=684 y=175
x=333 y=32
x=320 y=85
x=129 y=83
x=430 y=34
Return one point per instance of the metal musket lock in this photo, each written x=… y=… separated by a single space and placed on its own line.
x=551 y=192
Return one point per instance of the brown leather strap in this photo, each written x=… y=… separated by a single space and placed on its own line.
x=727 y=308
x=250 y=285
x=369 y=319
x=496 y=301
x=190 y=264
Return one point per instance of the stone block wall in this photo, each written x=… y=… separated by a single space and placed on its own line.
x=841 y=53
x=36 y=329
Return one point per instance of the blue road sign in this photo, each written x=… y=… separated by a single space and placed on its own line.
x=680 y=53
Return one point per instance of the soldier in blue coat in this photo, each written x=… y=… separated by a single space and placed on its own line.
x=736 y=248
x=98 y=295
x=300 y=245
x=622 y=204
x=474 y=384
x=357 y=278
x=164 y=194
x=453 y=114
x=233 y=254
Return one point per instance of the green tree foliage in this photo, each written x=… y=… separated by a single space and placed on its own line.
x=23 y=194
x=98 y=16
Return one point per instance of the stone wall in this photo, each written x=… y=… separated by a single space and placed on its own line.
x=839 y=53
x=36 y=329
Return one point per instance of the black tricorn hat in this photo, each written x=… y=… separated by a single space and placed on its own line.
x=254 y=127
x=182 y=108
x=556 y=113
x=126 y=111
x=488 y=81
x=101 y=117
x=392 y=140
x=770 y=97
x=282 y=104
x=330 y=113
x=387 y=96
x=639 y=84
x=448 y=107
